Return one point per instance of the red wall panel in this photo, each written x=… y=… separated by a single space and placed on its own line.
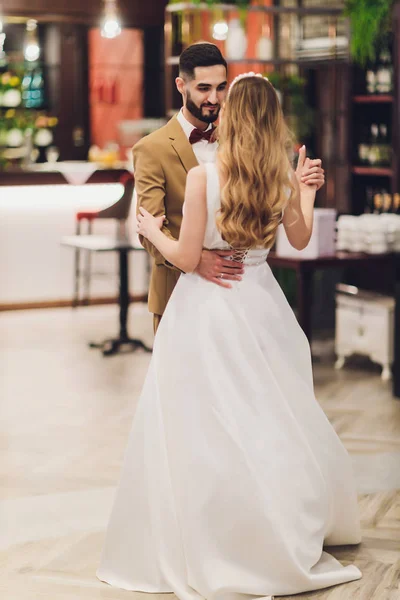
x=116 y=82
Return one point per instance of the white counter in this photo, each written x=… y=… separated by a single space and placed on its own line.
x=33 y=265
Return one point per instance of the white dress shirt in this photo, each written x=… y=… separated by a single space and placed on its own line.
x=203 y=150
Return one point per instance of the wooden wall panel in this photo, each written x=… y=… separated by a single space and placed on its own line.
x=333 y=92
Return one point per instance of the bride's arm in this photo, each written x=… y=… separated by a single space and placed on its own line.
x=299 y=214
x=185 y=253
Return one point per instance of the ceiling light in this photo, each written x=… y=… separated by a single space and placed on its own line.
x=220 y=30
x=111 y=26
x=31 y=47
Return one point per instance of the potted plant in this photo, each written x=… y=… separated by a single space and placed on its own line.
x=370 y=22
x=43 y=134
x=292 y=95
x=10 y=90
x=13 y=127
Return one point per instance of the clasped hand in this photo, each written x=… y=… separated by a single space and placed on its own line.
x=147 y=224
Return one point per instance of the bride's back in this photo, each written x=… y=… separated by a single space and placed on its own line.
x=254 y=142
x=212 y=238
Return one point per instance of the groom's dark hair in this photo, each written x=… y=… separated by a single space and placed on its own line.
x=201 y=54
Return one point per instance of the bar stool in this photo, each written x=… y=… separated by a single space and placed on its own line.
x=118 y=211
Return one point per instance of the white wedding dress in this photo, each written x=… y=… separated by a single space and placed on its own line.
x=233 y=478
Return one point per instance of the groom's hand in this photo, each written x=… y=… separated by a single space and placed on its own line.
x=214 y=267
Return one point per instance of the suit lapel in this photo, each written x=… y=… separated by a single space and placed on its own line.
x=181 y=145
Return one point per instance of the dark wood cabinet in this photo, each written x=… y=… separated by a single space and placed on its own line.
x=372 y=110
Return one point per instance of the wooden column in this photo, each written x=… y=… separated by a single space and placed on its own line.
x=70 y=95
x=333 y=89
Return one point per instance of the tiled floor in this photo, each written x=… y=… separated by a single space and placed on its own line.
x=65 y=416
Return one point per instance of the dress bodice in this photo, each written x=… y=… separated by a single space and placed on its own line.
x=212 y=238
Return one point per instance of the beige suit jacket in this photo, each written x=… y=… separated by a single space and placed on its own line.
x=161 y=163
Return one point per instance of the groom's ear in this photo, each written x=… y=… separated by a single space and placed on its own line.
x=180 y=84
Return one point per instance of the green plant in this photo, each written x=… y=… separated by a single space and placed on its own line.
x=242 y=6
x=9 y=81
x=369 y=22
x=299 y=115
x=26 y=119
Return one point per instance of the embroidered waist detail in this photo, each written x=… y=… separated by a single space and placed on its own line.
x=248 y=256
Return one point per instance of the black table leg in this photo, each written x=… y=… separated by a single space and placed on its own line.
x=112 y=346
x=396 y=363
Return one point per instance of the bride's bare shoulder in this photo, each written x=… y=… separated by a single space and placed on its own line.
x=198 y=171
x=197 y=177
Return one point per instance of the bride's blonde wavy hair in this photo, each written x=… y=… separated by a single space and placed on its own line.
x=254 y=145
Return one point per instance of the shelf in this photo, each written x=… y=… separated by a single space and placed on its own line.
x=180 y=6
x=373 y=171
x=174 y=60
x=373 y=99
x=21 y=107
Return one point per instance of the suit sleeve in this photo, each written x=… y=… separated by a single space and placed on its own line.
x=150 y=190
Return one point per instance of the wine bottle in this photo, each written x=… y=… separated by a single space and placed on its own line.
x=384 y=74
x=396 y=204
x=386 y=201
x=373 y=152
x=382 y=145
x=370 y=79
x=378 y=203
x=369 y=205
x=363 y=147
x=36 y=89
x=26 y=85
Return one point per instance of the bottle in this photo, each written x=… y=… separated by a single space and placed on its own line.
x=363 y=147
x=386 y=201
x=384 y=146
x=378 y=203
x=37 y=95
x=264 y=48
x=26 y=85
x=369 y=207
x=384 y=74
x=373 y=152
x=236 y=42
x=370 y=78
x=396 y=204
x=33 y=92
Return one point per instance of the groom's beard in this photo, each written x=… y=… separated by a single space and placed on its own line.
x=198 y=112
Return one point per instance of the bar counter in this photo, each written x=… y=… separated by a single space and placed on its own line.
x=37 y=209
x=46 y=175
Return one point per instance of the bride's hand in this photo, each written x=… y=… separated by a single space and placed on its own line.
x=309 y=172
x=147 y=224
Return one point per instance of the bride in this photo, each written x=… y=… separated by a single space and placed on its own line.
x=233 y=479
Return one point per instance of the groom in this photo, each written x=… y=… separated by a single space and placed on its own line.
x=163 y=159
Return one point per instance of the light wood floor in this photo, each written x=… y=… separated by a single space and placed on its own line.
x=65 y=416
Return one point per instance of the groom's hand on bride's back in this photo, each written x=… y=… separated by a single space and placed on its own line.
x=215 y=267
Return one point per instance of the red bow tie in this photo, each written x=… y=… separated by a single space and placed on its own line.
x=198 y=134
